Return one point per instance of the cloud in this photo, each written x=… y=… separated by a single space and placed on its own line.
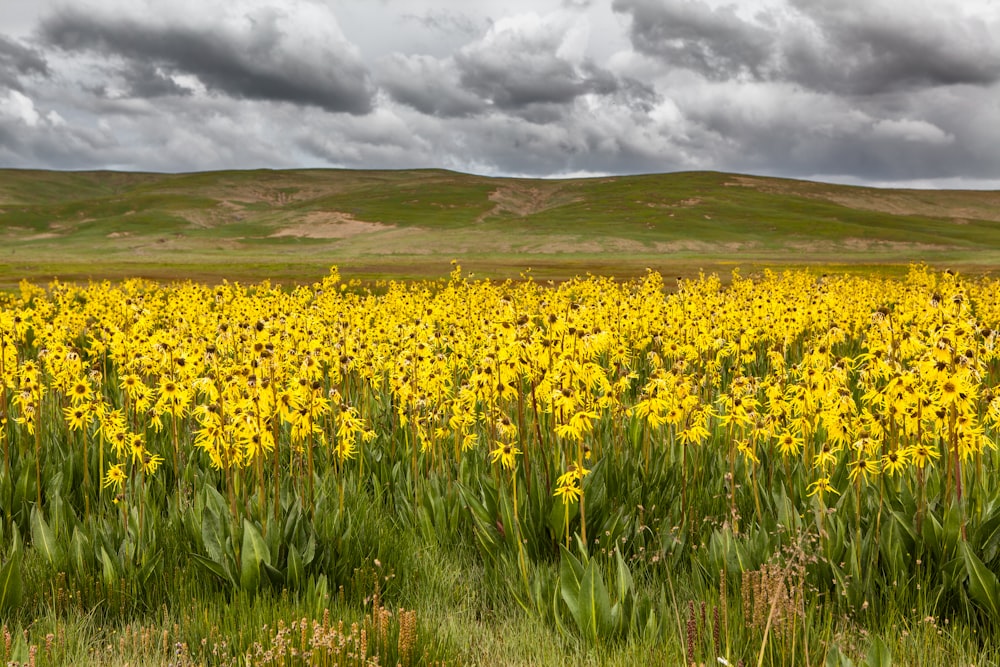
x=530 y=66
x=716 y=43
x=915 y=131
x=878 y=91
x=17 y=60
x=444 y=21
x=428 y=84
x=520 y=62
x=853 y=47
x=254 y=52
x=871 y=47
x=146 y=80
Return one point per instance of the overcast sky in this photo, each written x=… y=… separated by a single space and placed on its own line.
x=885 y=92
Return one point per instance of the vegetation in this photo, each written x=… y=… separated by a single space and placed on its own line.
x=291 y=225
x=789 y=470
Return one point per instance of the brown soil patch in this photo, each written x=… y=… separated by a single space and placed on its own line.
x=524 y=200
x=331 y=225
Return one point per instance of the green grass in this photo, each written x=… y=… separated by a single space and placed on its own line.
x=109 y=225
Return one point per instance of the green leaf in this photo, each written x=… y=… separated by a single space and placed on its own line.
x=570 y=574
x=834 y=658
x=988 y=536
x=274 y=575
x=80 y=552
x=43 y=539
x=109 y=570
x=10 y=584
x=878 y=654
x=983 y=585
x=20 y=653
x=150 y=566
x=212 y=535
x=595 y=605
x=624 y=583
x=215 y=568
x=295 y=568
x=16 y=544
x=253 y=553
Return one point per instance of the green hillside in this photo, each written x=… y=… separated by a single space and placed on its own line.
x=295 y=224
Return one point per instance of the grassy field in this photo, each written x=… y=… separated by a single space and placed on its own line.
x=754 y=468
x=292 y=225
x=790 y=470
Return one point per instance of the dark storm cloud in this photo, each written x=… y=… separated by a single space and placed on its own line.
x=876 y=91
x=515 y=80
x=257 y=67
x=17 y=60
x=713 y=42
x=848 y=47
x=145 y=80
x=868 y=48
x=494 y=144
x=428 y=84
x=514 y=68
x=518 y=66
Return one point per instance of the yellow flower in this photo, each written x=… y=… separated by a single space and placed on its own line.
x=505 y=454
x=788 y=444
x=821 y=486
x=80 y=392
x=894 y=462
x=115 y=476
x=568 y=493
x=921 y=454
x=77 y=416
x=863 y=466
x=150 y=462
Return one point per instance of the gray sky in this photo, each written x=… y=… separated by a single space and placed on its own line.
x=884 y=92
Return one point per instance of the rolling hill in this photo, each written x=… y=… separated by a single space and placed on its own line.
x=411 y=223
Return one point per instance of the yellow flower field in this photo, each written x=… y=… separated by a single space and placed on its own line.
x=662 y=425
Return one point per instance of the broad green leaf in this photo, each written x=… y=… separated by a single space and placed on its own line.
x=212 y=535
x=569 y=585
x=43 y=539
x=878 y=654
x=274 y=575
x=10 y=584
x=16 y=544
x=834 y=658
x=988 y=536
x=20 y=653
x=983 y=585
x=295 y=568
x=595 y=606
x=253 y=553
x=109 y=570
x=624 y=583
x=215 y=568
x=309 y=551
x=150 y=566
x=80 y=552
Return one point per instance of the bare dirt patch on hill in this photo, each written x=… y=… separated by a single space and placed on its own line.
x=331 y=225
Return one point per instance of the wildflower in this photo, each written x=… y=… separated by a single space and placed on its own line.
x=115 y=476
x=505 y=454
x=821 y=486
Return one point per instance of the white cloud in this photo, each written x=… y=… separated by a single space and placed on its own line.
x=917 y=131
x=19 y=107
